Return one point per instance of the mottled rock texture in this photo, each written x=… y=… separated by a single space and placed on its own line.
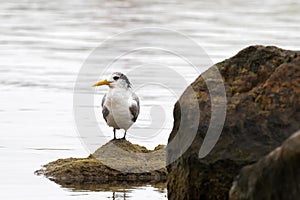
x=263 y=109
x=114 y=163
x=274 y=177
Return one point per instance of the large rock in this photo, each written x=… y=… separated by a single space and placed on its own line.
x=263 y=109
x=274 y=177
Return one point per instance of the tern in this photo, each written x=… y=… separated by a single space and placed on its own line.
x=120 y=106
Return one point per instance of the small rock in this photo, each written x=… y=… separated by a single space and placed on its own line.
x=117 y=162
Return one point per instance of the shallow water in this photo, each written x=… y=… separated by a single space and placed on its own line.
x=43 y=45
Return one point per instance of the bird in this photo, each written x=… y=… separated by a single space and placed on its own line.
x=120 y=105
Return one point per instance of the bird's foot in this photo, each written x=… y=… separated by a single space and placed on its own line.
x=123 y=138
x=114 y=138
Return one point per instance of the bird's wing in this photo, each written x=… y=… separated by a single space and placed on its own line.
x=103 y=100
x=105 y=110
x=135 y=107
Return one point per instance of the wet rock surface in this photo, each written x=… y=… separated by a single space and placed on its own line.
x=117 y=162
x=274 y=177
x=263 y=109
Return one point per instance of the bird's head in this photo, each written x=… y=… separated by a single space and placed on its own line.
x=116 y=80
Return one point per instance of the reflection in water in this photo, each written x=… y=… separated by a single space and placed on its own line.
x=118 y=190
x=113 y=186
x=117 y=196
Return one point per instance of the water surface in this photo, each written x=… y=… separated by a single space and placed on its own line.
x=44 y=43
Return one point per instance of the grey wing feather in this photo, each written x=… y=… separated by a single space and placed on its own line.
x=135 y=108
x=105 y=110
x=103 y=99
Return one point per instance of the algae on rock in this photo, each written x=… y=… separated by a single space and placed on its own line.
x=118 y=161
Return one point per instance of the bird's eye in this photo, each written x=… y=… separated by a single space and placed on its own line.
x=116 y=78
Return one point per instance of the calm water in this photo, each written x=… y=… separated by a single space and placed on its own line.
x=43 y=45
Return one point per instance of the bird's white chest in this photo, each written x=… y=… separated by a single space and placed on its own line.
x=118 y=99
x=118 y=103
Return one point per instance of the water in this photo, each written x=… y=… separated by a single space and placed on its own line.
x=43 y=44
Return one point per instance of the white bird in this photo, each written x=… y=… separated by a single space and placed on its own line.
x=120 y=106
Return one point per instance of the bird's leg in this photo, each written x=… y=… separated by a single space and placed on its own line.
x=115 y=134
x=124 y=135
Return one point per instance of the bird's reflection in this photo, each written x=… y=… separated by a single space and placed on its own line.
x=116 y=191
x=118 y=196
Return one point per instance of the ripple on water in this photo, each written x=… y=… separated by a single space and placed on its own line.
x=44 y=43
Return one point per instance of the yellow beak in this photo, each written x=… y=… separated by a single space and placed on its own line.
x=103 y=82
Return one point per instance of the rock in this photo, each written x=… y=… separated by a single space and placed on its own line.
x=131 y=158
x=262 y=86
x=117 y=162
x=274 y=177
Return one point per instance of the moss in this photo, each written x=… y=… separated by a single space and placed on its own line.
x=116 y=162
